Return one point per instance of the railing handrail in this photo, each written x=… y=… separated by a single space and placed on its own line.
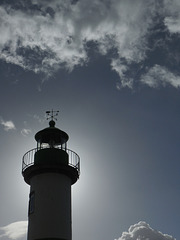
x=73 y=160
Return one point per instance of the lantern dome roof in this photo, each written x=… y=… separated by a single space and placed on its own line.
x=52 y=134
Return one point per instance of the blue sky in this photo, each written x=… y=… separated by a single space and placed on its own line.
x=112 y=70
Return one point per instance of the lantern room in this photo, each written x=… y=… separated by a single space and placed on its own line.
x=51 y=137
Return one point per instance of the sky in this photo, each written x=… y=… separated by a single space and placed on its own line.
x=112 y=69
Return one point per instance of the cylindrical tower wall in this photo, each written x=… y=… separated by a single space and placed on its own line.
x=50 y=207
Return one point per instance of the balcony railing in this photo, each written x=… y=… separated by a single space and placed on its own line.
x=28 y=159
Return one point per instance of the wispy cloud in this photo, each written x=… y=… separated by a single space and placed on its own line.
x=172 y=20
x=49 y=35
x=160 y=76
x=59 y=31
x=122 y=69
x=173 y=24
x=8 y=125
x=44 y=36
x=14 y=230
x=25 y=131
x=38 y=118
x=142 y=231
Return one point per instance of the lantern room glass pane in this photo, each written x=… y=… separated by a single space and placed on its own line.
x=41 y=145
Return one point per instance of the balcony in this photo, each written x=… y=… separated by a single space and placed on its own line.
x=73 y=160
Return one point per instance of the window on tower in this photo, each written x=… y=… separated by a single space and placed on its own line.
x=31 y=202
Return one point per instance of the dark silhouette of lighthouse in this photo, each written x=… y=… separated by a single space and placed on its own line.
x=50 y=169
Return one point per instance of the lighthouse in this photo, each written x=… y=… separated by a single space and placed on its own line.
x=50 y=169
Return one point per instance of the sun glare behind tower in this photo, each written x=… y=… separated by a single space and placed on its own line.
x=50 y=169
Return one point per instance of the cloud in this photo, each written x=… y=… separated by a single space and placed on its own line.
x=139 y=231
x=14 y=230
x=25 y=131
x=173 y=24
x=142 y=231
x=122 y=69
x=8 y=125
x=38 y=118
x=44 y=36
x=172 y=20
x=160 y=76
x=37 y=41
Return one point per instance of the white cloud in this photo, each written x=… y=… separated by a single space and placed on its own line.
x=172 y=20
x=160 y=76
x=173 y=24
x=39 y=119
x=47 y=38
x=121 y=69
x=8 y=125
x=139 y=231
x=25 y=131
x=14 y=230
x=44 y=36
x=59 y=38
x=142 y=231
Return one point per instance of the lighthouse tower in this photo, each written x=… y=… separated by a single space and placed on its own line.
x=50 y=169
